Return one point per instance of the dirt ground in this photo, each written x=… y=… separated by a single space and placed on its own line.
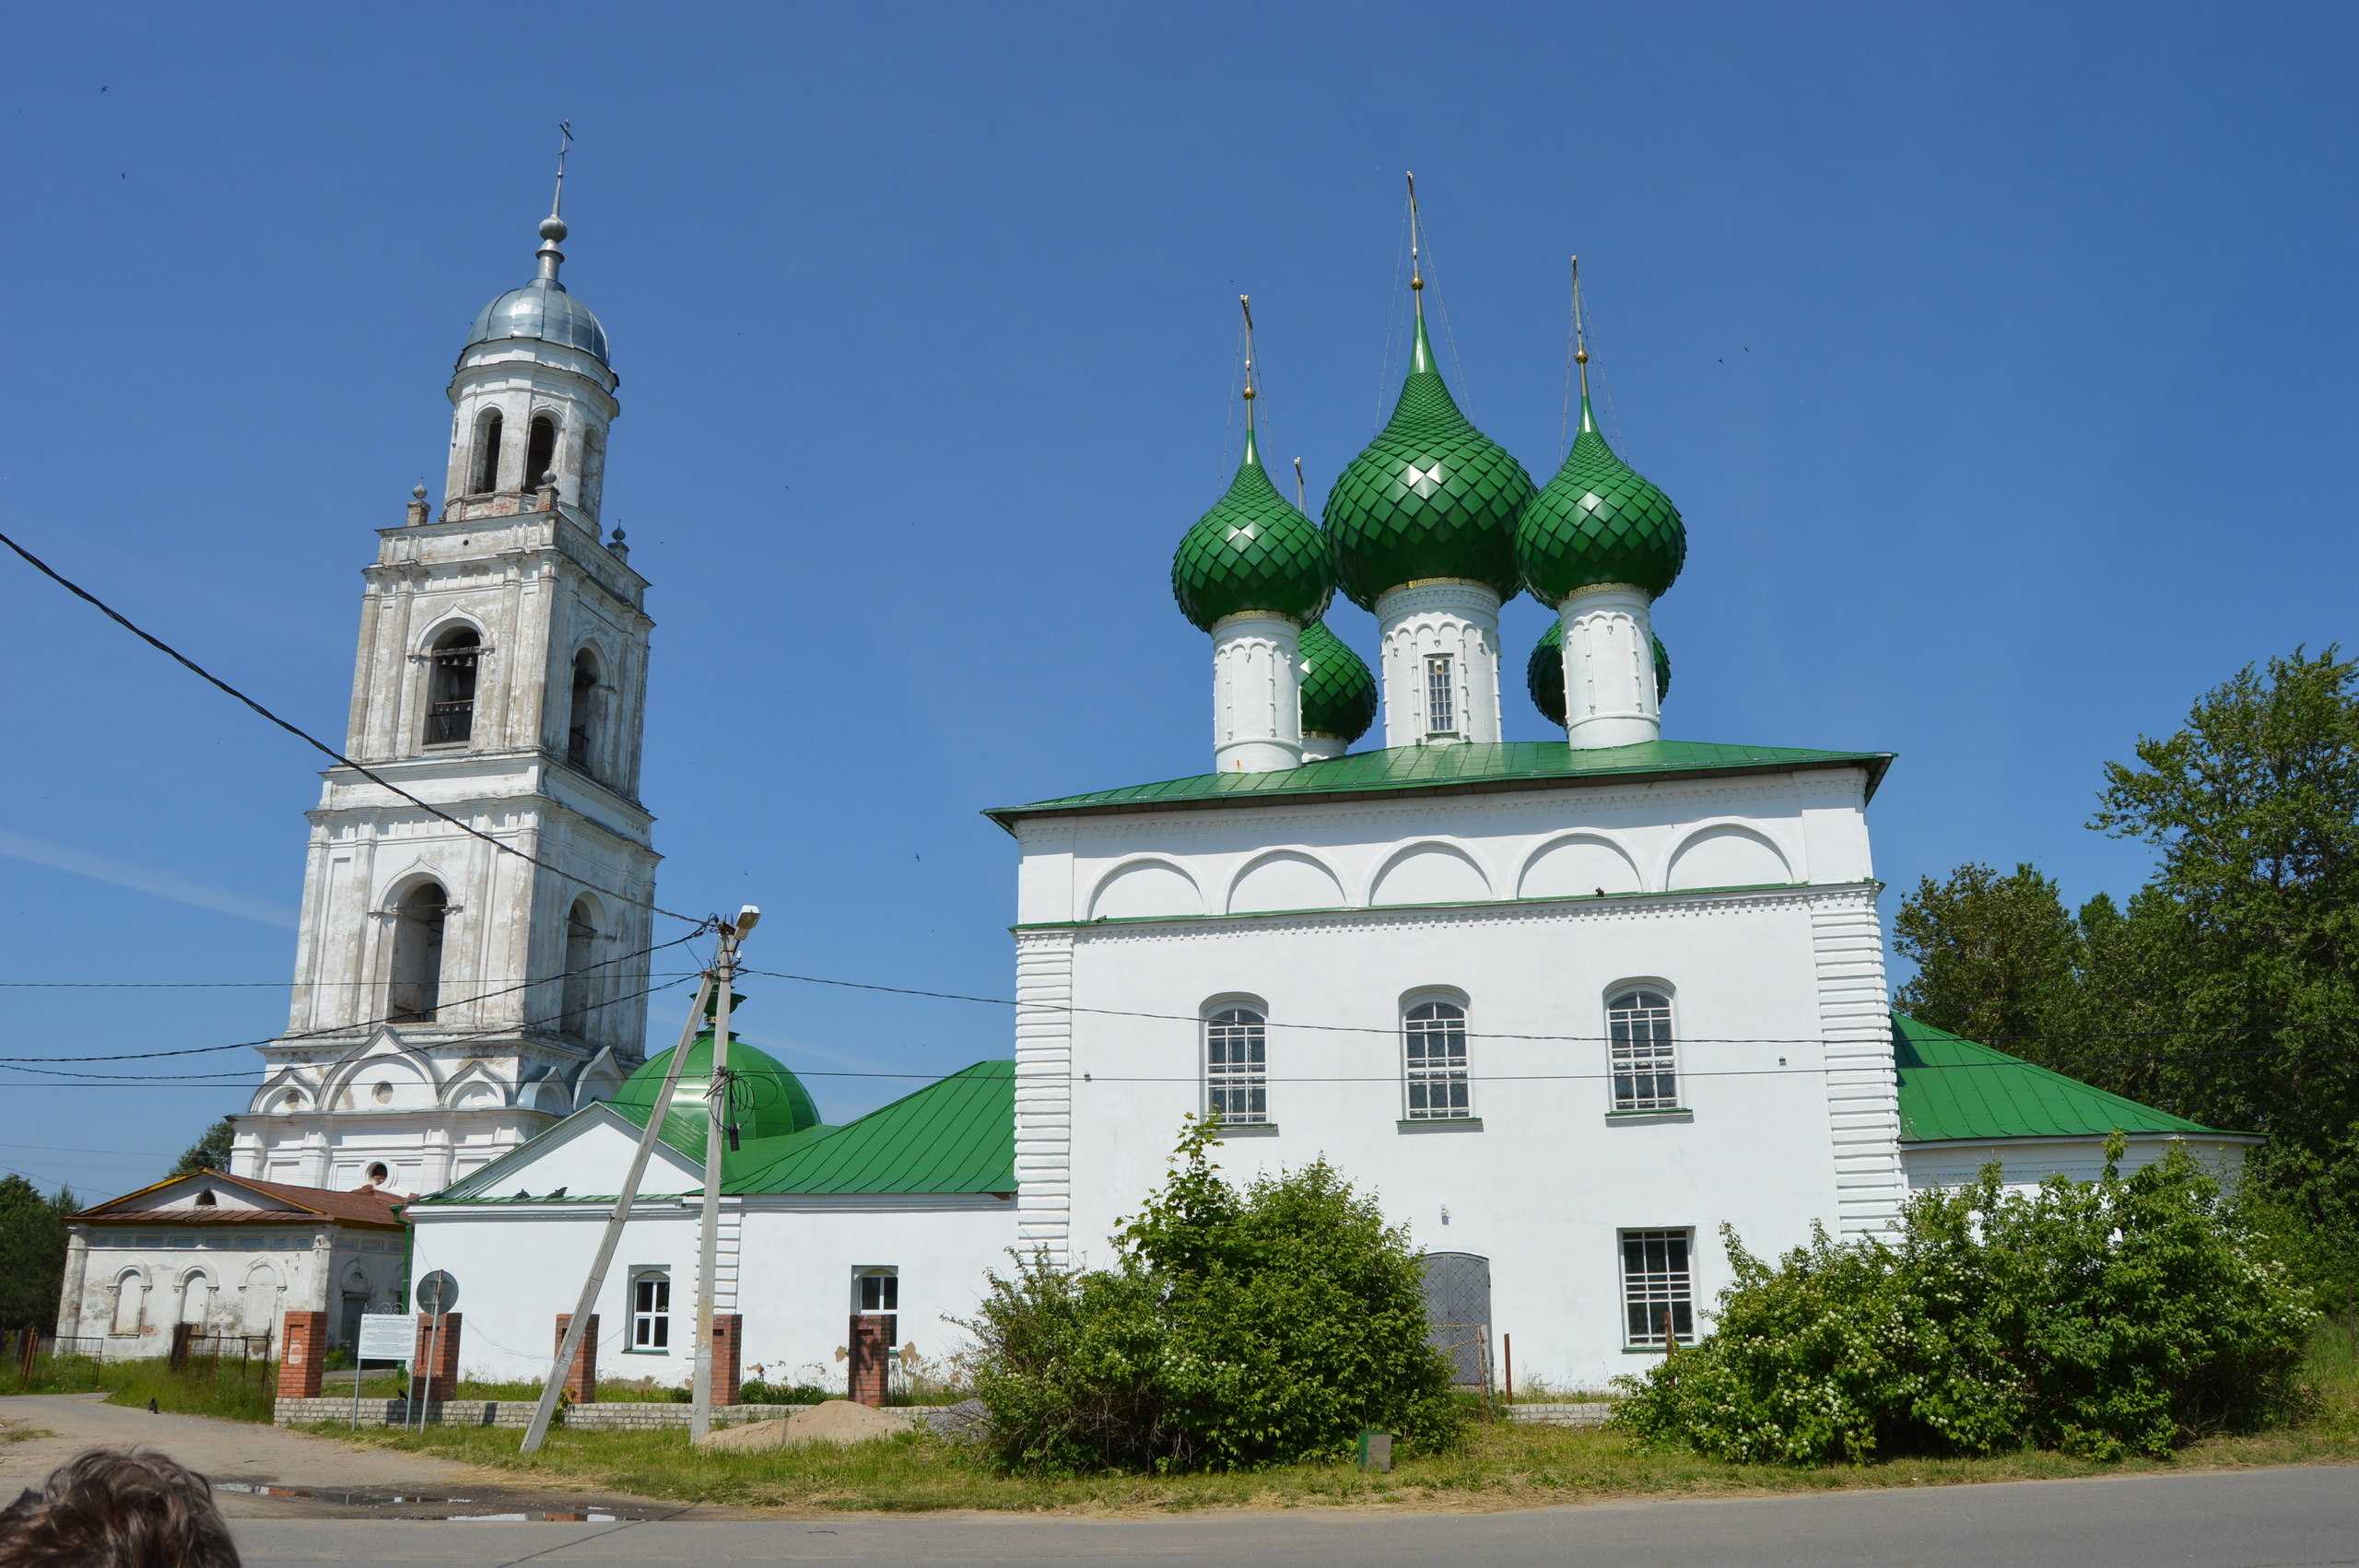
x=267 y=1472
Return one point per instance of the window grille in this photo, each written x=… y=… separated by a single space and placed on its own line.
x=1434 y=1061
x=651 y=1311
x=1441 y=694
x=1236 y=1066
x=1658 y=1292
x=1645 y=1065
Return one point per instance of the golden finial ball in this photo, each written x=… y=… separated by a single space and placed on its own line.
x=1580 y=356
x=1416 y=280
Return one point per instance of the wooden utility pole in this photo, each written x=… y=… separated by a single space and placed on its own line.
x=716 y=1118
x=587 y=1305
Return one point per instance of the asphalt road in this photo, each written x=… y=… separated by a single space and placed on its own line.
x=2305 y=1517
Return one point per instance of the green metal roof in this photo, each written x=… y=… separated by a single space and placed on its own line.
x=1431 y=497
x=1953 y=1089
x=1598 y=521
x=954 y=1135
x=1252 y=551
x=1502 y=765
x=1338 y=691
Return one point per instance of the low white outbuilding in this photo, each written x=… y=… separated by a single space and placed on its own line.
x=230 y=1256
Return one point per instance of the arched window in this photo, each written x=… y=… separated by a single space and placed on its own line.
x=196 y=1296
x=581 y=955
x=1644 y=1061
x=130 y=1295
x=450 y=687
x=1236 y=1066
x=260 y=1308
x=486 y=469
x=206 y=1200
x=540 y=451
x=1433 y=1061
x=415 y=992
x=581 y=728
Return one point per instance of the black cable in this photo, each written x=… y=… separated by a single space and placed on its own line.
x=229 y=985
x=231 y=1079
x=161 y=645
x=370 y=1022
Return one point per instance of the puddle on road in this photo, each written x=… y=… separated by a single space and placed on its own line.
x=487 y=1508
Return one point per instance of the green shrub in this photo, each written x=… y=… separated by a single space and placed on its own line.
x=758 y=1392
x=2120 y=1315
x=1236 y=1329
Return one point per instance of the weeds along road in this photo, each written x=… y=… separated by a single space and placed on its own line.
x=2242 y=1518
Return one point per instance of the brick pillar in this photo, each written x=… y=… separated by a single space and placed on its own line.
x=728 y=1356
x=871 y=1354
x=433 y=1379
x=581 y=1377
x=298 y=1363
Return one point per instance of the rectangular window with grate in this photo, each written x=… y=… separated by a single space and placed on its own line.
x=1441 y=694
x=1658 y=1290
x=1645 y=1062
x=1433 y=1054
x=1236 y=1066
x=650 y=1309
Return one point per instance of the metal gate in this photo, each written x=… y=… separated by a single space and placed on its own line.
x=1458 y=1315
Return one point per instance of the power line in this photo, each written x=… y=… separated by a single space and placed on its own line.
x=373 y=1023
x=1057 y=1007
x=233 y=1079
x=262 y=985
x=118 y=618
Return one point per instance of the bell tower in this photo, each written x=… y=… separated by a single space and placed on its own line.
x=451 y=999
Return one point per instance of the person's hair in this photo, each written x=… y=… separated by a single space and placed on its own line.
x=111 y=1509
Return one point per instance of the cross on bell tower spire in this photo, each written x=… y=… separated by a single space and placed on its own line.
x=553 y=227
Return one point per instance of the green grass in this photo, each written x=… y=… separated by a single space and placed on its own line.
x=1503 y=1464
x=233 y=1392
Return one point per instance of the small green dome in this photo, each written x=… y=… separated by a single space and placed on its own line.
x=1598 y=521
x=1252 y=551
x=1338 y=691
x=770 y=1099
x=1543 y=676
x=1432 y=497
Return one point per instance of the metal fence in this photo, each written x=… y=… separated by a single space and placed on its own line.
x=215 y=1356
x=33 y=1360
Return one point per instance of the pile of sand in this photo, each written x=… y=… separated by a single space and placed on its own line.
x=839 y=1422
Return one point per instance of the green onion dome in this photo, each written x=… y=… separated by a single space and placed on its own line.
x=1252 y=551
x=1338 y=691
x=1432 y=497
x=1544 y=675
x=1598 y=521
x=767 y=1099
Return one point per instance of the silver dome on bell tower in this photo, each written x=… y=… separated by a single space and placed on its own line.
x=542 y=308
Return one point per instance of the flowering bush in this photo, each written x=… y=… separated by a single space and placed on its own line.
x=1235 y=1329
x=2104 y=1318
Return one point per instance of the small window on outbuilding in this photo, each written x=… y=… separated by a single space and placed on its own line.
x=877 y=1293
x=650 y=1309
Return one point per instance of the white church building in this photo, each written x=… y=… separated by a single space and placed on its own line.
x=1567 y=1006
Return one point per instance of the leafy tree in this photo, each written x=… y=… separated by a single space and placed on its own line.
x=1995 y=954
x=32 y=1252
x=2107 y=1318
x=210 y=1152
x=1235 y=1329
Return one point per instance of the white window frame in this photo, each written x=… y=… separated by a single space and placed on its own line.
x=650 y=1326
x=1636 y=1070
x=1649 y=1290
x=1441 y=694
x=888 y=1280
x=1234 y=1082
x=1419 y=1069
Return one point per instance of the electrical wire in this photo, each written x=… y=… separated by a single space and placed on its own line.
x=118 y=618
x=373 y=1023
x=250 y=985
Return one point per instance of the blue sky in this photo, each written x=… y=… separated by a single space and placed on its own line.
x=1998 y=357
